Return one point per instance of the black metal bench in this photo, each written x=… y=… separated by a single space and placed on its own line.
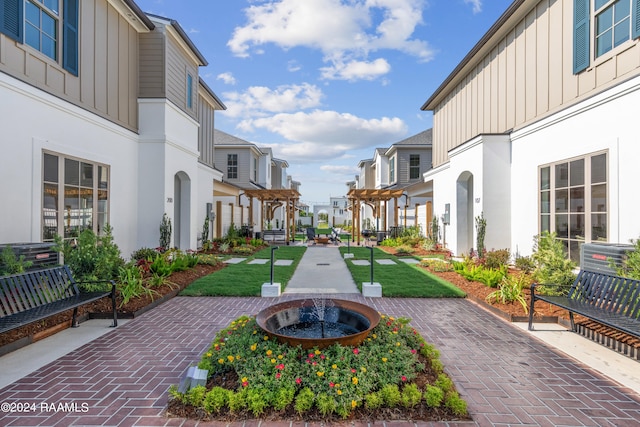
x=35 y=295
x=607 y=299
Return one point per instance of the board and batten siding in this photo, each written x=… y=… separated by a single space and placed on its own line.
x=178 y=66
x=205 y=131
x=526 y=76
x=107 y=81
x=152 y=70
x=244 y=162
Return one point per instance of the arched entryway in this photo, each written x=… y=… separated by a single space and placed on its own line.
x=464 y=212
x=182 y=211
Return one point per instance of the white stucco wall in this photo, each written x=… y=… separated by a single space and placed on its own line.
x=608 y=121
x=32 y=121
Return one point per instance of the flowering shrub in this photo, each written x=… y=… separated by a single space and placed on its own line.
x=335 y=380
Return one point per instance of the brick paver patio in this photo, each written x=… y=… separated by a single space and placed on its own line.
x=507 y=377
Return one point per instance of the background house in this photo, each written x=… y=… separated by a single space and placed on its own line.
x=536 y=128
x=398 y=167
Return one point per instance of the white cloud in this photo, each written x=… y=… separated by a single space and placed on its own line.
x=259 y=100
x=293 y=66
x=344 y=31
x=227 y=78
x=339 y=169
x=356 y=70
x=316 y=135
x=477 y=5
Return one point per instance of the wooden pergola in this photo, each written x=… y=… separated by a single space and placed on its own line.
x=272 y=200
x=372 y=198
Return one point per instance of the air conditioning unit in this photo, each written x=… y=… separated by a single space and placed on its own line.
x=41 y=255
x=598 y=256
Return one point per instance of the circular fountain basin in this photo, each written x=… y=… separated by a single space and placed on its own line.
x=313 y=323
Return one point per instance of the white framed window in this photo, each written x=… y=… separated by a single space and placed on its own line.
x=189 y=91
x=573 y=200
x=232 y=166
x=414 y=166
x=75 y=196
x=392 y=169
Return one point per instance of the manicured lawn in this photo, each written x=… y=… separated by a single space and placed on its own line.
x=246 y=279
x=399 y=279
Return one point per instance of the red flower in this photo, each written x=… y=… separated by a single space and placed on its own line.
x=353 y=371
x=298 y=380
x=413 y=351
x=331 y=384
x=403 y=378
x=277 y=375
x=311 y=355
x=280 y=366
x=244 y=384
x=356 y=351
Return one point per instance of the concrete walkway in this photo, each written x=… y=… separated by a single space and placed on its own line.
x=321 y=271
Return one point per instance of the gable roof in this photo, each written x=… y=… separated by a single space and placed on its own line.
x=185 y=38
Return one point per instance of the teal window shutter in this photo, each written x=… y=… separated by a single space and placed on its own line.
x=635 y=19
x=581 y=35
x=70 y=36
x=11 y=18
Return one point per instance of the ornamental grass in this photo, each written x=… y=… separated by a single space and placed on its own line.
x=251 y=375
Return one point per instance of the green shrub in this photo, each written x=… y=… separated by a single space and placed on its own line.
x=304 y=400
x=436 y=264
x=511 y=290
x=552 y=264
x=479 y=273
x=283 y=397
x=433 y=396
x=92 y=257
x=411 y=396
x=10 y=264
x=497 y=259
x=144 y=254
x=216 y=399
x=238 y=400
x=131 y=285
x=195 y=396
x=444 y=382
x=404 y=250
x=455 y=404
x=257 y=401
x=326 y=404
x=391 y=395
x=373 y=401
x=161 y=266
x=525 y=264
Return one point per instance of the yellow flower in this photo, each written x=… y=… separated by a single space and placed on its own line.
x=354 y=403
x=280 y=357
x=254 y=346
x=317 y=352
x=273 y=360
x=269 y=352
x=209 y=354
x=397 y=344
x=334 y=366
x=266 y=338
x=354 y=380
x=255 y=332
x=391 y=318
x=384 y=359
x=221 y=361
x=383 y=316
x=363 y=369
x=245 y=379
x=339 y=392
x=319 y=373
x=375 y=335
x=230 y=358
x=237 y=357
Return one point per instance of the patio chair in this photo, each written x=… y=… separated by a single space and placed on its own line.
x=334 y=236
x=311 y=234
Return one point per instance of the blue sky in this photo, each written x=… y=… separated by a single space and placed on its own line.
x=325 y=82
